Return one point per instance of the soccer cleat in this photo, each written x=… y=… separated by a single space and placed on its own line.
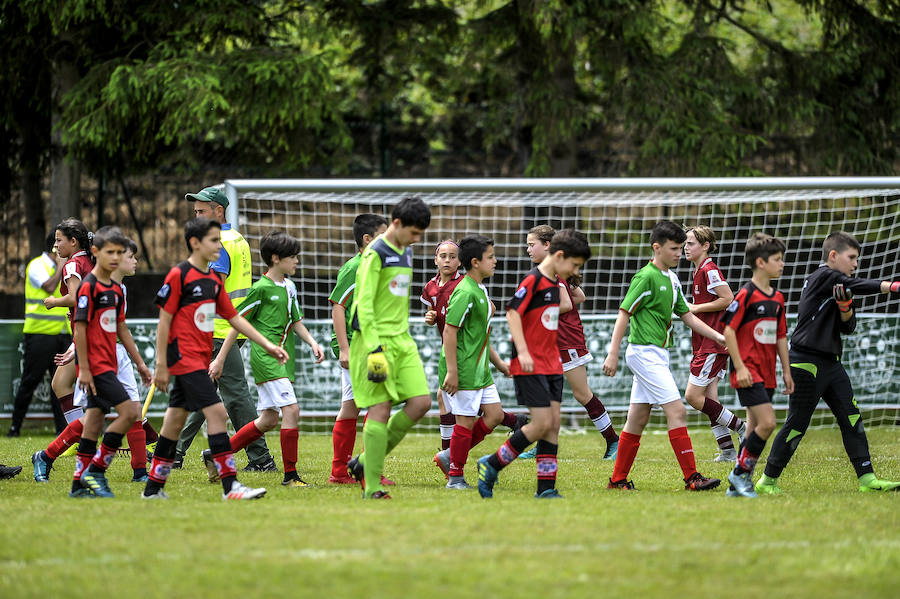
x=211 y=471
x=41 y=467
x=487 y=477
x=81 y=493
x=726 y=455
x=442 y=461
x=341 y=480
x=612 y=449
x=742 y=484
x=698 y=482
x=868 y=482
x=386 y=481
x=378 y=495
x=239 y=492
x=139 y=479
x=70 y=451
x=732 y=492
x=9 y=471
x=767 y=486
x=97 y=483
x=356 y=470
x=624 y=485
x=458 y=482
x=178 y=463
x=266 y=466
x=159 y=494
x=548 y=494
x=521 y=420
x=151 y=449
x=742 y=432
x=530 y=454
x=295 y=483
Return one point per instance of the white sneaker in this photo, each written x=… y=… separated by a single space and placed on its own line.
x=727 y=455
x=160 y=494
x=239 y=491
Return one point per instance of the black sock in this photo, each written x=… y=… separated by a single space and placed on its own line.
x=547 y=477
x=113 y=440
x=518 y=442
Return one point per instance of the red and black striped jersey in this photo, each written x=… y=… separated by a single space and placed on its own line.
x=537 y=301
x=758 y=321
x=102 y=307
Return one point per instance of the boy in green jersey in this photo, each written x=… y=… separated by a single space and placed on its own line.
x=653 y=295
x=385 y=367
x=366 y=227
x=273 y=308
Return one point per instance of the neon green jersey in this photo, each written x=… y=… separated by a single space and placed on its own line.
x=469 y=309
x=272 y=308
x=652 y=297
x=381 y=298
x=343 y=294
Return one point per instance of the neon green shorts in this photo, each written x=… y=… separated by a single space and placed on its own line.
x=406 y=376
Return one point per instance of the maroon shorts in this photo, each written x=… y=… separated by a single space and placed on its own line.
x=705 y=368
x=573 y=358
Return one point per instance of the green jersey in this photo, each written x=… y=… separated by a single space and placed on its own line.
x=272 y=308
x=652 y=297
x=469 y=309
x=343 y=294
x=381 y=299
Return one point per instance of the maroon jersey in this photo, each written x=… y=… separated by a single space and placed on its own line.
x=436 y=297
x=758 y=321
x=102 y=307
x=706 y=278
x=193 y=297
x=571 y=332
x=537 y=301
x=78 y=265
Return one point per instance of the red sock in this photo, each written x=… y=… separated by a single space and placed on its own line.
x=225 y=463
x=684 y=451
x=244 y=437
x=82 y=461
x=137 y=443
x=70 y=436
x=509 y=420
x=104 y=457
x=628 y=448
x=460 y=444
x=160 y=469
x=289 y=438
x=149 y=432
x=480 y=431
x=343 y=437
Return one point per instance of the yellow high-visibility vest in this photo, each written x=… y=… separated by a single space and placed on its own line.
x=234 y=259
x=38 y=319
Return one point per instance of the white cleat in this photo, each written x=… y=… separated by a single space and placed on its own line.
x=239 y=491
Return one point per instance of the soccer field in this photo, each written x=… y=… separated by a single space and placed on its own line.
x=821 y=538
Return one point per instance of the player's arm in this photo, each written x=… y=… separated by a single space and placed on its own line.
x=782 y=346
x=68 y=300
x=161 y=370
x=130 y=346
x=243 y=326
x=498 y=362
x=451 y=380
x=514 y=319
x=612 y=358
x=430 y=312
x=742 y=375
x=339 y=323
x=85 y=378
x=50 y=284
x=578 y=296
x=717 y=305
x=304 y=334
x=565 y=302
x=701 y=328
x=366 y=293
x=218 y=363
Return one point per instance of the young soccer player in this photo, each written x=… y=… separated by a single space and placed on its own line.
x=272 y=308
x=366 y=227
x=824 y=314
x=191 y=294
x=572 y=345
x=99 y=319
x=653 y=295
x=385 y=367
x=533 y=315
x=755 y=333
x=711 y=295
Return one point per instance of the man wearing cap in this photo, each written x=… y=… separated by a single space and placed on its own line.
x=234 y=266
x=47 y=333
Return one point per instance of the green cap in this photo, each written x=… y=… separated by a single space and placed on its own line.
x=209 y=194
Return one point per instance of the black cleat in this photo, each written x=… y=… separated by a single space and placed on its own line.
x=356 y=470
x=698 y=482
x=267 y=466
x=9 y=471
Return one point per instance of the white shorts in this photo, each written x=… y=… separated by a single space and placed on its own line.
x=274 y=395
x=653 y=381
x=346 y=386
x=573 y=358
x=468 y=402
x=125 y=376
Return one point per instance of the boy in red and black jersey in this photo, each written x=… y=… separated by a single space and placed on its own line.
x=533 y=316
x=755 y=334
x=189 y=298
x=99 y=319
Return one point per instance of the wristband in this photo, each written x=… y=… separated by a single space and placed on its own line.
x=895 y=287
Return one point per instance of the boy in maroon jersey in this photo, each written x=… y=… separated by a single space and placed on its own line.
x=755 y=333
x=188 y=299
x=99 y=318
x=533 y=316
x=711 y=295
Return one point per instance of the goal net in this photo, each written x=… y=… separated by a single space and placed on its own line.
x=617 y=216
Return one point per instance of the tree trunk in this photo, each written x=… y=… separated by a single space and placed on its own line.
x=65 y=183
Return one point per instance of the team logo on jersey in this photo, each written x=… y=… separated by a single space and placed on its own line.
x=203 y=317
x=548 y=297
x=521 y=292
x=103 y=300
x=197 y=292
x=108 y=320
x=696 y=289
x=765 y=332
x=550 y=318
x=760 y=309
x=83 y=302
x=399 y=285
x=392 y=260
x=274 y=298
x=164 y=291
x=662 y=288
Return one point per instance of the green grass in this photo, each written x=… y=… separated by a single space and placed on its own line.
x=821 y=538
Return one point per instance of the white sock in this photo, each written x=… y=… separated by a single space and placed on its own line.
x=603 y=422
x=446 y=431
x=73 y=415
x=725 y=417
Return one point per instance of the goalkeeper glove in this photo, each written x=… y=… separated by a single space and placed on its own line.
x=377 y=366
x=843 y=297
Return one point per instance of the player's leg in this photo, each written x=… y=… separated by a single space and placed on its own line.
x=63 y=384
x=760 y=424
x=110 y=393
x=411 y=388
x=37 y=350
x=578 y=382
x=290 y=436
x=136 y=436
x=237 y=402
x=547 y=450
x=447 y=420
x=216 y=423
x=461 y=441
x=702 y=393
x=640 y=361
x=164 y=456
x=192 y=425
x=343 y=436
x=87 y=447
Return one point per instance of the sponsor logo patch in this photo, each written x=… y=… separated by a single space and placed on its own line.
x=83 y=302
x=399 y=285
x=108 y=320
x=164 y=291
x=203 y=317
x=520 y=292
x=550 y=318
x=765 y=332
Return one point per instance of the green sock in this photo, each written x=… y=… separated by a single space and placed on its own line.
x=397 y=427
x=375 y=437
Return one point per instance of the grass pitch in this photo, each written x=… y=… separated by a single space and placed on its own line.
x=821 y=538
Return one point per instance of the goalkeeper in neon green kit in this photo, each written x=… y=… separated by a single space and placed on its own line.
x=385 y=368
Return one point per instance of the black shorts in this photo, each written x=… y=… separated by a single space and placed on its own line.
x=755 y=395
x=538 y=390
x=193 y=391
x=110 y=392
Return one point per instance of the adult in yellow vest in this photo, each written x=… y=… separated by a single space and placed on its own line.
x=235 y=267
x=46 y=333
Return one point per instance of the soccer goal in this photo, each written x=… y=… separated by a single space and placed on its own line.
x=617 y=215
